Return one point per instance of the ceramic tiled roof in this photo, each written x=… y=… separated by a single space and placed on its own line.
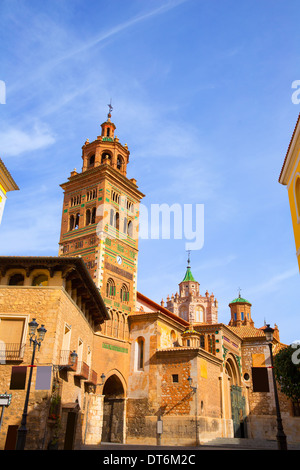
x=247 y=331
x=188 y=276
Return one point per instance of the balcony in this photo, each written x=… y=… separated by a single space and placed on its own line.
x=11 y=352
x=82 y=370
x=65 y=361
x=92 y=379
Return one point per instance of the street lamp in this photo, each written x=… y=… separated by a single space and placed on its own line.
x=36 y=340
x=194 y=389
x=281 y=437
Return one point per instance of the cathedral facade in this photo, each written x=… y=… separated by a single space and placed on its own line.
x=121 y=367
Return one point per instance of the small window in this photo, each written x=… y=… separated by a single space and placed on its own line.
x=140 y=353
x=175 y=378
x=18 y=378
x=260 y=379
x=242 y=316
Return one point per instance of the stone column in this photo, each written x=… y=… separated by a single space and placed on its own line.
x=94 y=420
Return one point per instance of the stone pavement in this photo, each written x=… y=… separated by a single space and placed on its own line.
x=216 y=444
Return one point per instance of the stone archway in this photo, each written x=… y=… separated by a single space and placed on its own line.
x=113 y=410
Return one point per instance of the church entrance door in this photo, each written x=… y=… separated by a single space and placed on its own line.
x=238 y=411
x=113 y=410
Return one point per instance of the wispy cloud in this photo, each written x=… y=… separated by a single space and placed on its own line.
x=14 y=141
x=271 y=284
x=165 y=7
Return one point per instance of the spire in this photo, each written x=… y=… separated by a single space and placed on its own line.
x=188 y=275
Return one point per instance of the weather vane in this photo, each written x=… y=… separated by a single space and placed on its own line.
x=239 y=289
x=110 y=107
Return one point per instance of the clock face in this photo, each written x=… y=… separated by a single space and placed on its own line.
x=119 y=259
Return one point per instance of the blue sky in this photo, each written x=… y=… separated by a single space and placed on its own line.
x=201 y=91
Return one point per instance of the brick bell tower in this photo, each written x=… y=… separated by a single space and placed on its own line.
x=100 y=218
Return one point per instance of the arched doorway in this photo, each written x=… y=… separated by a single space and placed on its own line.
x=237 y=400
x=113 y=410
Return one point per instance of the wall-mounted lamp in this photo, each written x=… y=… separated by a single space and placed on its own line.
x=190 y=381
x=102 y=378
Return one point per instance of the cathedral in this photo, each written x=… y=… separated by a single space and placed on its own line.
x=116 y=366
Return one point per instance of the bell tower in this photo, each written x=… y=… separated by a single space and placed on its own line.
x=240 y=310
x=100 y=218
x=189 y=304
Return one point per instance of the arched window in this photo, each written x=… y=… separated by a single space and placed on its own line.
x=130 y=228
x=140 y=353
x=124 y=294
x=105 y=156
x=117 y=221
x=125 y=225
x=16 y=280
x=183 y=313
x=199 y=316
x=115 y=197
x=72 y=222
x=41 y=280
x=88 y=217
x=110 y=288
x=119 y=162
x=91 y=160
x=93 y=217
x=112 y=218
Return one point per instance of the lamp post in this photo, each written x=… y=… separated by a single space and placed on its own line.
x=194 y=390
x=36 y=340
x=281 y=437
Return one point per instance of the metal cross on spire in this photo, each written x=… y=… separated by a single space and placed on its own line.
x=239 y=289
x=189 y=258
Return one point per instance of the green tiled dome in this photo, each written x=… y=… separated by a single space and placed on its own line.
x=188 y=276
x=240 y=300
